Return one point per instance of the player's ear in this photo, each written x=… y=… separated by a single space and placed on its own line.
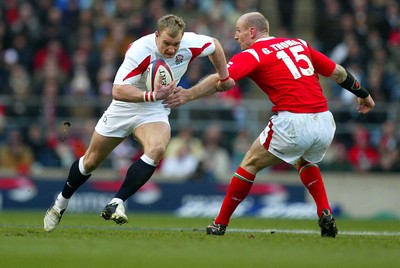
x=253 y=32
x=156 y=33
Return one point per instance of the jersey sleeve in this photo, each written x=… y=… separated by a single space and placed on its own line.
x=135 y=63
x=243 y=63
x=199 y=45
x=322 y=64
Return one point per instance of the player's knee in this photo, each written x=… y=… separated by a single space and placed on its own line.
x=156 y=152
x=302 y=163
x=250 y=160
x=90 y=164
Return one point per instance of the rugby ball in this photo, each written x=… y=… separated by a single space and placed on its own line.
x=158 y=70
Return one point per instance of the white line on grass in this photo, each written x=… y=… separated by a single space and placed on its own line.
x=230 y=230
x=283 y=231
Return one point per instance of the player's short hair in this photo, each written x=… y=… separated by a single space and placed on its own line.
x=257 y=20
x=174 y=25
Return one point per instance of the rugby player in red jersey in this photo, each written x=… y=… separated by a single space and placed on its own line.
x=301 y=129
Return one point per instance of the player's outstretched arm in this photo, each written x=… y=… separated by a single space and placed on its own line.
x=347 y=81
x=203 y=88
x=218 y=59
x=221 y=81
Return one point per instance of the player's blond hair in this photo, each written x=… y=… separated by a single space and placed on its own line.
x=174 y=25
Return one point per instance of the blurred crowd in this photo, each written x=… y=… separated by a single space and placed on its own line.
x=58 y=59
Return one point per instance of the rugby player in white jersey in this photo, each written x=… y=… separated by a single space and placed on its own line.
x=134 y=112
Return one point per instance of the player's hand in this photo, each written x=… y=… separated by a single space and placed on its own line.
x=176 y=99
x=162 y=92
x=226 y=85
x=365 y=105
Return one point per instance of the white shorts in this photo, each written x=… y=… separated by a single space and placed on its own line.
x=122 y=118
x=290 y=136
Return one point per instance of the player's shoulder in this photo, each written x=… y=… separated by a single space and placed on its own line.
x=142 y=46
x=191 y=39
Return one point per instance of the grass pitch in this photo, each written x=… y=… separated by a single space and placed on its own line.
x=162 y=240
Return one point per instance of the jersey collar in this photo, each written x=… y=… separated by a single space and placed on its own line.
x=264 y=39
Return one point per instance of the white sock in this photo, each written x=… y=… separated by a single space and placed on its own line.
x=81 y=167
x=116 y=200
x=148 y=160
x=61 y=202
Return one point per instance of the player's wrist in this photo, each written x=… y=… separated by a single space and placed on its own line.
x=225 y=79
x=149 y=97
x=352 y=85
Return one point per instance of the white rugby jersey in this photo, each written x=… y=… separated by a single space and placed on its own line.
x=144 y=50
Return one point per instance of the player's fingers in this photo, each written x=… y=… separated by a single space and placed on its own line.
x=178 y=89
x=172 y=85
x=363 y=109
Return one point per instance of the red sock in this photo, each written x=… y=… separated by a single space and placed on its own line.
x=239 y=188
x=311 y=177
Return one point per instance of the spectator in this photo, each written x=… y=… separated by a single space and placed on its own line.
x=216 y=9
x=336 y=158
x=328 y=15
x=181 y=165
x=121 y=157
x=216 y=160
x=382 y=72
x=15 y=154
x=50 y=110
x=58 y=149
x=3 y=126
x=185 y=137
x=35 y=140
x=53 y=51
x=393 y=19
x=241 y=143
x=20 y=84
x=81 y=91
x=105 y=76
x=388 y=148
x=362 y=155
x=287 y=13
x=24 y=50
x=117 y=38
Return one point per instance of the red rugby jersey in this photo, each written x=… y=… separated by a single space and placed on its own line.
x=286 y=69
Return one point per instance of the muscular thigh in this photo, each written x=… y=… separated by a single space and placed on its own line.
x=258 y=158
x=154 y=138
x=99 y=148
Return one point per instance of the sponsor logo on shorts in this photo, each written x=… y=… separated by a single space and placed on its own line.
x=105 y=120
x=276 y=150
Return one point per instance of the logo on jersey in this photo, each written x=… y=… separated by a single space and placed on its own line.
x=178 y=59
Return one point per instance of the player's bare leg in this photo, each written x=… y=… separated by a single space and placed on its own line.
x=255 y=159
x=154 y=138
x=100 y=147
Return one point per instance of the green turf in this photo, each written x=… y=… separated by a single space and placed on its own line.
x=156 y=240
